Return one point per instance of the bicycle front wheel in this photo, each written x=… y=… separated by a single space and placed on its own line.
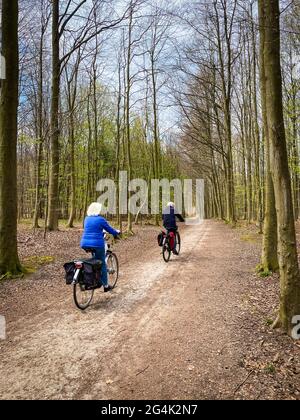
x=178 y=243
x=112 y=263
x=82 y=298
x=167 y=251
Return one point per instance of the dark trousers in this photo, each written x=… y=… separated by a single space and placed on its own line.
x=100 y=254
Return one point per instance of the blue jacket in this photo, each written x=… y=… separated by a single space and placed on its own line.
x=169 y=218
x=93 y=236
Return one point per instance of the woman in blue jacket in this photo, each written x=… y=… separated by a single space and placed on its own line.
x=93 y=238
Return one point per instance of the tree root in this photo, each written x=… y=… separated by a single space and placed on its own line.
x=277 y=323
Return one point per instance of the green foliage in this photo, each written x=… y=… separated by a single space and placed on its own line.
x=11 y=276
x=262 y=272
x=251 y=238
x=127 y=235
x=270 y=369
x=95 y=154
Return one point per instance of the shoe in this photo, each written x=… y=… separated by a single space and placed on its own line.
x=108 y=289
x=175 y=253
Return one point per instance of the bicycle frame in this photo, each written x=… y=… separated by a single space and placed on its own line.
x=79 y=264
x=83 y=295
x=167 y=247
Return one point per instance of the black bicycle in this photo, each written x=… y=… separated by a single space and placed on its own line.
x=167 y=246
x=83 y=293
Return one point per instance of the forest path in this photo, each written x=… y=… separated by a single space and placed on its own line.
x=168 y=331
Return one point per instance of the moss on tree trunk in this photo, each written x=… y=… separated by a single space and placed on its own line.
x=287 y=249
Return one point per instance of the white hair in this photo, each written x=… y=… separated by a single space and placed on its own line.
x=94 y=209
x=171 y=204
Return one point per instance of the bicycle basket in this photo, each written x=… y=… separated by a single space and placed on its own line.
x=70 y=270
x=91 y=273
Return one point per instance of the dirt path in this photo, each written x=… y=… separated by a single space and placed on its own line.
x=168 y=332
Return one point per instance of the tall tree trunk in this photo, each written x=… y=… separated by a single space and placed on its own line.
x=90 y=135
x=53 y=211
x=96 y=121
x=257 y=137
x=269 y=250
x=287 y=248
x=295 y=153
x=226 y=66
x=128 y=128
x=73 y=176
x=249 y=174
x=72 y=96
x=39 y=134
x=245 y=210
x=9 y=260
x=157 y=157
x=118 y=151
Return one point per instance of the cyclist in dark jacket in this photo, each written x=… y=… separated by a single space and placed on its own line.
x=170 y=217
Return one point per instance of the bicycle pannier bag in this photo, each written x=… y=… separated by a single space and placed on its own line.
x=70 y=270
x=92 y=273
x=172 y=240
x=160 y=239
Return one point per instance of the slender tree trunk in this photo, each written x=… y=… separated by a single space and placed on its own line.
x=244 y=174
x=249 y=131
x=157 y=157
x=72 y=96
x=218 y=189
x=73 y=176
x=96 y=129
x=288 y=258
x=39 y=135
x=128 y=128
x=257 y=137
x=249 y=178
x=226 y=78
x=118 y=152
x=53 y=211
x=9 y=260
x=88 y=189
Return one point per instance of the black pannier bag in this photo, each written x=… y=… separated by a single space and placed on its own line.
x=160 y=239
x=70 y=270
x=92 y=273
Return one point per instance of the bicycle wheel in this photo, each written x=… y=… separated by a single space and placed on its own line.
x=82 y=298
x=178 y=243
x=166 y=251
x=112 y=269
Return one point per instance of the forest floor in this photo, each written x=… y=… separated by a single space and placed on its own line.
x=197 y=328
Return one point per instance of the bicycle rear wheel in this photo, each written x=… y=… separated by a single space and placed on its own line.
x=112 y=263
x=82 y=297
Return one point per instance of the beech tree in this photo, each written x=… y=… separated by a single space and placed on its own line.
x=269 y=250
x=9 y=260
x=287 y=245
